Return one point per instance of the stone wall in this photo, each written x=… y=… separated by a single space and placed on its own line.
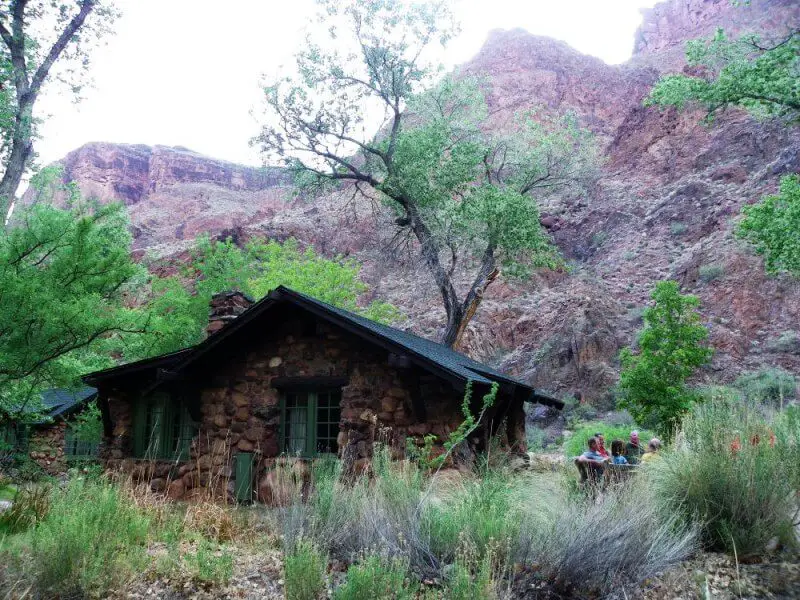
x=240 y=407
x=46 y=447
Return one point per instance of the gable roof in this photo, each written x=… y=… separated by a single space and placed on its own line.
x=431 y=356
x=56 y=403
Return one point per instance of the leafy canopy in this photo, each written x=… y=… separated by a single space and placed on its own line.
x=773 y=227
x=743 y=72
x=671 y=346
x=64 y=275
x=179 y=314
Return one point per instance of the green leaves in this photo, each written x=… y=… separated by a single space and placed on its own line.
x=63 y=279
x=761 y=78
x=178 y=315
x=671 y=346
x=772 y=226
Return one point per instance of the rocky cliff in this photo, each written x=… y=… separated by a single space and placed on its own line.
x=663 y=208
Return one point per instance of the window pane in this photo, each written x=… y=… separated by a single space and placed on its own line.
x=328 y=413
x=296 y=426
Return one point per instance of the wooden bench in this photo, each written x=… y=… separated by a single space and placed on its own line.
x=599 y=475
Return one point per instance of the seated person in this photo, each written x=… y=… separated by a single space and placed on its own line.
x=592 y=455
x=634 y=449
x=618 y=453
x=652 y=450
x=601 y=445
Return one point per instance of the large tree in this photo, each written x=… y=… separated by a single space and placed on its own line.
x=746 y=72
x=465 y=195
x=42 y=40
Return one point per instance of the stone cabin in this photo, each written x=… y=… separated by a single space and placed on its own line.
x=43 y=433
x=291 y=376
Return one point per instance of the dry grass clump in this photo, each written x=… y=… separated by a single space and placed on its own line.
x=592 y=546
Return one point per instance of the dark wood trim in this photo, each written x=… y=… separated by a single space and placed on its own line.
x=309 y=383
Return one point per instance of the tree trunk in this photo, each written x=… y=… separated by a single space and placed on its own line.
x=484 y=278
x=21 y=148
x=430 y=253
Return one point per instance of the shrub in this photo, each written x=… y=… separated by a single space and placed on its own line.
x=481 y=512
x=788 y=341
x=768 y=386
x=91 y=541
x=464 y=585
x=576 y=444
x=677 y=228
x=210 y=563
x=305 y=572
x=709 y=273
x=377 y=578
x=733 y=472
x=587 y=548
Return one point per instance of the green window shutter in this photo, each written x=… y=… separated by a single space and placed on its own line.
x=139 y=424
x=244 y=476
x=167 y=440
x=187 y=432
x=311 y=439
x=69 y=442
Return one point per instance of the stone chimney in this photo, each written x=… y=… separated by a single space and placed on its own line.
x=224 y=308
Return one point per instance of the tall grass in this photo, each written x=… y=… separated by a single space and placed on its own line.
x=91 y=541
x=494 y=517
x=735 y=470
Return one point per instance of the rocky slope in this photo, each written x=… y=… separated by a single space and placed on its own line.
x=663 y=207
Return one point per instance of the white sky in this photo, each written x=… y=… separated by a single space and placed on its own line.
x=187 y=72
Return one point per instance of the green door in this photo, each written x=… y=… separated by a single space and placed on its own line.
x=244 y=476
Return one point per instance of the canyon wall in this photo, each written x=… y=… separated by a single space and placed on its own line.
x=664 y=207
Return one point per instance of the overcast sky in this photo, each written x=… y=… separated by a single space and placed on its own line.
x=186 y=72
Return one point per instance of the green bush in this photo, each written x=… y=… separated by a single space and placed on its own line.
x=768 y=386
x=484 y=511
x=671 y=346
x=305 y=569
x=92 y=540
x=463 y=584
x=576 y=444
x=709 y=273
x=377 y=578
x=735 y=471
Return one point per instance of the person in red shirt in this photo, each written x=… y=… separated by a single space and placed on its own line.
x=601 y=445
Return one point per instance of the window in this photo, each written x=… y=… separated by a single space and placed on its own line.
x=8 y=436
x=310 y=422
x=162 y=428
x=13 y=437
x=76 y=447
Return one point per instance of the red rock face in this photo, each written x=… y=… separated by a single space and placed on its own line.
x=664 y=207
